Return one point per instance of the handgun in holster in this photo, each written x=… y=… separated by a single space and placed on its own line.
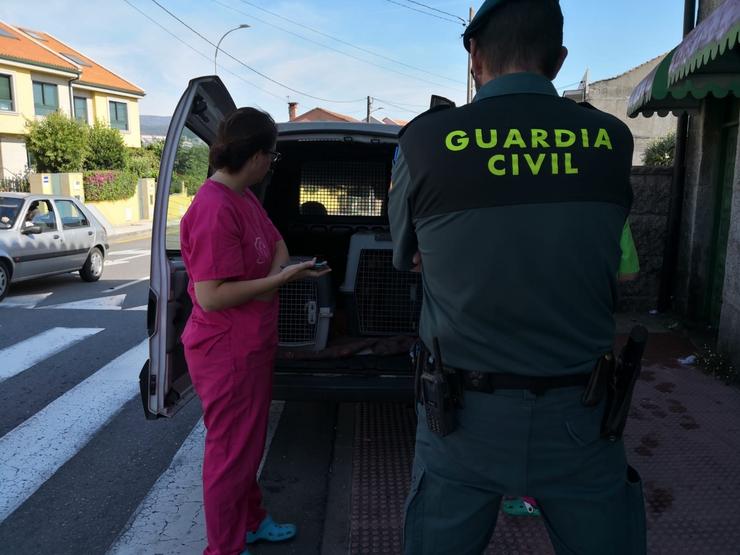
x=439 y=389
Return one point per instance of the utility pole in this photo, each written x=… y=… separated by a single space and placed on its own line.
x=369 y=108
x=471 y=84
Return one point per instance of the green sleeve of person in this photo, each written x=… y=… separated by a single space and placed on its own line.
x=629 y=265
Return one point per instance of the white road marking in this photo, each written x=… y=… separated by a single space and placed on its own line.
x=128 y=252
x=142 y=307
x=128 y=284
x=128 y=256
x=31 y=453
x=170 y=520
x=27 y=353
x=23 y=301
x=113 y=302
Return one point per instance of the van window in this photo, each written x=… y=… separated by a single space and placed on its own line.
x=189 y=172
x=342 y=188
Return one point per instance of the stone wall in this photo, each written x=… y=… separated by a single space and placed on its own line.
x=649 y=223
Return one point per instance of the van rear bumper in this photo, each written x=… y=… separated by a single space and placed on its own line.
x=342 y=387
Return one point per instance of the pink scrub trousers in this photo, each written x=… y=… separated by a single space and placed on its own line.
x=230 y=355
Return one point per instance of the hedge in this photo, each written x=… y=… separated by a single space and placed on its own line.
x=109 y=185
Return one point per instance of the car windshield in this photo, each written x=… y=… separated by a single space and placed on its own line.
x=9 y=210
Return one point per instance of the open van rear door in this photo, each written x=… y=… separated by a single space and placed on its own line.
x=164 y=381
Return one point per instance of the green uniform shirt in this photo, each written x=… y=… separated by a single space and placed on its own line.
x=518 y=204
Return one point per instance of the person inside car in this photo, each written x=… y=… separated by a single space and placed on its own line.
x=236 y=261
x=33 y=211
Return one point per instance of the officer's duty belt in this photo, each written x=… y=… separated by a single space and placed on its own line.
x=488 y=382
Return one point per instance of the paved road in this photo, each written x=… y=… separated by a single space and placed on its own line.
x=81 y=470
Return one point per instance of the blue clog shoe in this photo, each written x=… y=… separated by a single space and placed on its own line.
x=271 y=531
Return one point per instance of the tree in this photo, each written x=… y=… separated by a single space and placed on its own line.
x=156 y=147
x=142 y=162
x=660 y=151
x=190 y=167
x=106 y=149
x=57 y=144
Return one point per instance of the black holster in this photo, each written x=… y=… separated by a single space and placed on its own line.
x=438 y=389
x=622 y=384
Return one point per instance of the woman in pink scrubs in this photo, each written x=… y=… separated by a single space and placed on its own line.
x=234 y=257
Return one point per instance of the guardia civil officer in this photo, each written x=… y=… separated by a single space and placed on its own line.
x=516 y=206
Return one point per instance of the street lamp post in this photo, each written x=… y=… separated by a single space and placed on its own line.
x=215 y=56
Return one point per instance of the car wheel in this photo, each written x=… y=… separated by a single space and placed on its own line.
x=93 y=268
x=4 y=279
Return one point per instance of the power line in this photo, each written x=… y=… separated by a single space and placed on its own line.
x=437 y=10
x=302 y=37
x=407 y=105
x=422 y=11
x=347 y=43
x=396 y=106
x=201 y=54
x=250 y=68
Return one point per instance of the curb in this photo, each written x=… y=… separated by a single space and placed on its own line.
x=143 y=233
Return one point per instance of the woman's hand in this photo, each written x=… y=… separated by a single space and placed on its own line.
x=303 y=270
x=416 y=261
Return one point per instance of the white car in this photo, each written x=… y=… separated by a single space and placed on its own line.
x=43 y=235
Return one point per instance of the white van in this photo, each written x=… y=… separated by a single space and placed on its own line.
x=343 y=337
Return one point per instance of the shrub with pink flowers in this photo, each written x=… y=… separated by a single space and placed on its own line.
x=109 y=185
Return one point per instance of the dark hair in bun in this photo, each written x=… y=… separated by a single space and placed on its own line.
x=241 y=135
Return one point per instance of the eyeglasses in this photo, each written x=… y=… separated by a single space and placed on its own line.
x=274 y=156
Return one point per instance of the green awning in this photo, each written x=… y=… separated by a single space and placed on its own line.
x=706 y=62
x=712 y=47
x=653 y=95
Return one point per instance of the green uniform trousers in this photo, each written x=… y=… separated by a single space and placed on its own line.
x=514 y=443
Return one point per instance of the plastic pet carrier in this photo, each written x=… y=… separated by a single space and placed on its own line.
x=380 y=299
x=306 y=310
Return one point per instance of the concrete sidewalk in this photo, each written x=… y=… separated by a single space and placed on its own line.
x=683 y=436
x=143 y=229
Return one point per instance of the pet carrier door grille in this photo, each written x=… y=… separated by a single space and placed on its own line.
x=388 y=302
x=299 y=313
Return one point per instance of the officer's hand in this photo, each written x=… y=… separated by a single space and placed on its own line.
x=416 y=260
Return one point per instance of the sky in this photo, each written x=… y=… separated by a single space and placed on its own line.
x=339 y=51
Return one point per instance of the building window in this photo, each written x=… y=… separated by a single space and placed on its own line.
x=119 y=116
x=45 y=98
x=81 y=109
x=6 y=94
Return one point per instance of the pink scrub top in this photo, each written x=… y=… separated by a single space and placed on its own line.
x=228 y=236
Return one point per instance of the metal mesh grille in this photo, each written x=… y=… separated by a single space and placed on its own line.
x=343 y=188
x=299 y=313
x=388 y=301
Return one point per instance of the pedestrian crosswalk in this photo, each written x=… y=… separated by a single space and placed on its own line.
x=169 y=519
x=108 y=302
x=171 y=516
x=119 y=257
x=25 y=354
